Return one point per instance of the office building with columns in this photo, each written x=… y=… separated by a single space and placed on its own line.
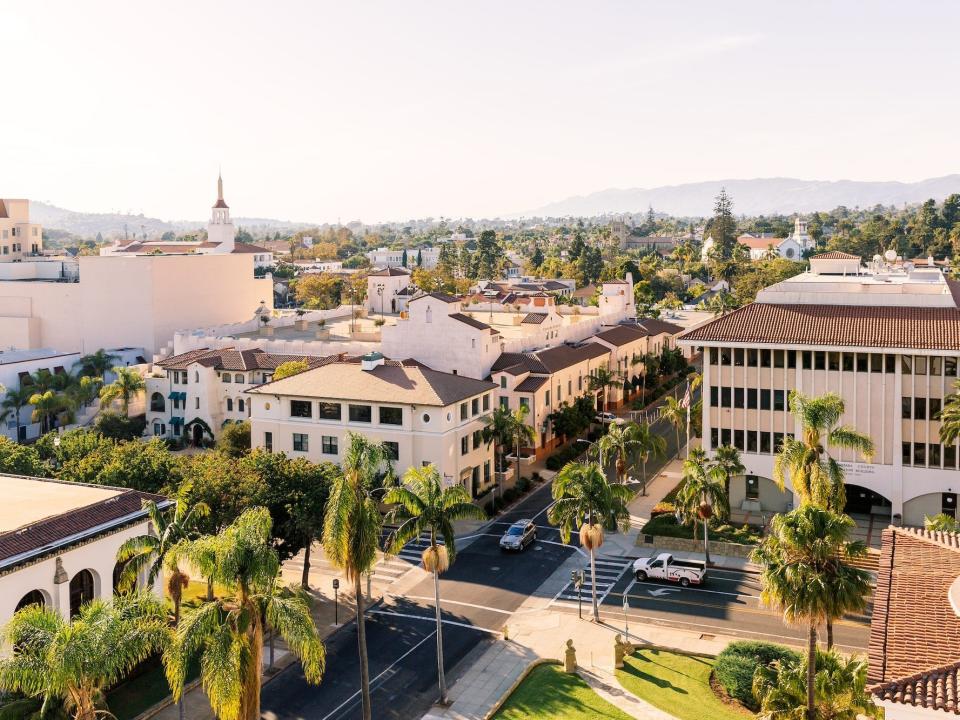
x=884 y=336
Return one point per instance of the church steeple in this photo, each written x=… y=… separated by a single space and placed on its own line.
x=220 y=231
x=220 y=201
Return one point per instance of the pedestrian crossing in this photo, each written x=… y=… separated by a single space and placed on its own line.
x=412 y=552
x=609 y=571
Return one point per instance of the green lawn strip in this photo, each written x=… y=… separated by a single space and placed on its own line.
x=677 y=684
x=667 y=526
x=142 y=691
x=548 y=693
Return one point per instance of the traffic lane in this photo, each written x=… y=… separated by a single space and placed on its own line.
x=534 y=505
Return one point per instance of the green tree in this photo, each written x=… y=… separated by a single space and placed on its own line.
x=804 y=568
x=941 y=522
x=815 y=475
x=949 y=417
x=727 y=460
x=675 y=413
x=601 y=380
x=722 y=227
x=119 y=427
x=227 y=635
x=719 y=304
x=46 y=406
x=96 y=364
x=403 y=259
x=584 y=499
x=17 y=459
x=648 y=445
x=14 y=401
x=489 y=255
x=291 y=367
x=235 y=439
x=424 y=506
x=351 y=531
x=616 y=445
x=76 y=661
x=128 y=385
x=702 y=494
x=536 y=260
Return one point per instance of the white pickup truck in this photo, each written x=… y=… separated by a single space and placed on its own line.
x=665 y=567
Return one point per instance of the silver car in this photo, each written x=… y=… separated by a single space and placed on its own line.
x=519 y=535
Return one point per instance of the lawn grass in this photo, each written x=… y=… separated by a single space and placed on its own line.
x=667 y=526
x=677 y=684
x=196 y=592
x=548 y=693
x=144 y=690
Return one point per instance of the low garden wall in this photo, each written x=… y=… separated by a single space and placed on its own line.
x=663 y=542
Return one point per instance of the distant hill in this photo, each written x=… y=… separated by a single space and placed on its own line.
x=113 y=224
x=760 y=196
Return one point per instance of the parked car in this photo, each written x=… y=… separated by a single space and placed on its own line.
x=605 y=418
x=666 y=567
x=519 y=535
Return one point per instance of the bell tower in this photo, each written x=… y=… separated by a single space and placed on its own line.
x=220 y=229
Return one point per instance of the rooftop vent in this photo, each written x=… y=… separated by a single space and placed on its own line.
x=370 y=361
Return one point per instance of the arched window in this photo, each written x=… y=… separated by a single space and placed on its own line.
x=229 y=404
x=81 y=591
x=34 y=597
x=240 y=404
x=157 y=403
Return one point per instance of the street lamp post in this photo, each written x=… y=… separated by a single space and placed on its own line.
x=626 y=621
x=336 y=603
x=577 y=577
x=380 y=293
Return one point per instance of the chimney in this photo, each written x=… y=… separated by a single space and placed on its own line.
x=370 y=361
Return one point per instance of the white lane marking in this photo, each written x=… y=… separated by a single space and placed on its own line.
x=544 y=510
x=444 y=601
x=704 y=590
x=433 y=620
x=386 y=670
x=659 y=592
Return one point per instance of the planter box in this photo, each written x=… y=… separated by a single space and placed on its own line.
x=524 y=459
x=662 y=542
x=301 y=324
x=322 y=334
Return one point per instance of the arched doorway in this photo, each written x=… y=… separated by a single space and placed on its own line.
x=861 y=501
x=197 y=435
x=34 y=597
x=81 y=591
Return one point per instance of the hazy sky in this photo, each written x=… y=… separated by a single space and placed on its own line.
x=401 y=109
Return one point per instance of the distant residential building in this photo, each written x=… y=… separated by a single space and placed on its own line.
x=194 y=395
x=19 y=238
x=59 y=542
x=386 y=258
x=389 y=290
x=660 y=244
x=765 y=246
x=423 y=416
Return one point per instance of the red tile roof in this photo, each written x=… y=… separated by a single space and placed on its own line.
x=834 y=255
x=230 y=359
x=834 y=325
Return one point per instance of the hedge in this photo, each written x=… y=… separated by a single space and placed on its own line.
x=563 y=456
x=735 y=666
x=667 y=526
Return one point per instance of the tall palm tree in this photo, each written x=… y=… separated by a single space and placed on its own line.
x=96 y=364
x=128 y=384
x=839 y=686
x=726 y=459
x=648 y=445
x=75 y=661
x=950 y=417
x=702 y=494
x=816 y=475
x=676 y=414
x=423 y=505
x=616 y=445
x=13 y=404
x=497 y=430
x=803 y=568
x=154 y=552
x=602 y=379
x=46 y=405
x=520 y=433
x=227 y=634
x=351 y=531
x=584 y=499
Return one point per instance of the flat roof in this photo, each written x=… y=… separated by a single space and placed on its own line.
x=27 y=500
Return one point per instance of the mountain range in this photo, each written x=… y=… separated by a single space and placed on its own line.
x=759 y=196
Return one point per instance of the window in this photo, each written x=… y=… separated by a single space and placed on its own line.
x=950 y=366
x=919 y=408
x=301 y=442
x=807 y=359
x=477 y=439
x=714 y=356
x=393 y=449
x=765 y=358
x=157 y=403
x=833 y=361
x=569 y=388
x=948 y=504
x=753 y=487
x=714 y=438
x=725 y=436
x=196 y=376
x=791 y=359
x=714 y=396
x=778 y=358
x=268 y=441
x=525 y=402
x=237 y=378
x=935 y=404
x=847 y=362
x=950 y=456
x=890 y=363
x=475 y=406
x=919 y=365
x=360 y=413
x=738 y=357
x=329 y=410
x=738 y=439
x=391 y=416
x=158 y=428
x=905 y=406
x=738 y=398
x=463 y=411
x=229 y=405
x=503 y=381
x=725 y=397
x=505 y=403
x=777 y=442
x=936 y=366
x=751 y=441
x=328 y=445
x=725 y=356
x=778 y=399
x=486 y=402
x=764 y=399
x=752 y=357
x=226 y=377
x=876 y=363
x=920 y=454
x=751 y=398
x=464 y=444
x=546 y=398
x=862 y=360
x=906 y=455
x=934 y=455
x=301 y=408
x=240 y=404
x=819 y=360
x=765 y=442
x=196 y=403
x=906 y=364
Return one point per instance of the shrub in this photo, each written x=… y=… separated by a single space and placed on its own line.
x=523 y=484
x=563 y=456
x=666 y=525
x=663 y=508
x=119 y=427
x=735 y=666
x=509 y=495
x=536 y=477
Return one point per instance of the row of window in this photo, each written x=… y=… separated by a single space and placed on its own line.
x=329 y=444
x=835 y=361
x=748 y=398
x=356 y=413
x=465 y=442
x=752 y=441
x=241 y=378
x=920 y=408
x=931 y=455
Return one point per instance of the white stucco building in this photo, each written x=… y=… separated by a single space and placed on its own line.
x=59 y=541
x=19 y=238
x=423 y=416
x=389 y=290
x=387 y=258
x=885 y=337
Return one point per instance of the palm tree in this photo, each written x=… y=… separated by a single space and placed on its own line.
x=585 y=500
x=13 y=404
x=721 y=303
x=702 y=494
x=950 y=417
x=520 y=433
x=127 y=385
x=227 y=634
x=839 y=686
x=648 y=444
x=423 y=505
x=96 y=364
x=941 y=522
x=676 y=414
x=616 y=444
x=601 y=379
x=803 y=569
x=46 y=405
x=727 y=460
x=351 y=531
x=154 y=552
x=651 y=366
x=815 y=475
x=497 y=430
x=75 y=661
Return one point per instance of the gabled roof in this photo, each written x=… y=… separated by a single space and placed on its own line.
x=531 y=384
x=241 y=247
x=620 y=335
x=442 y=297
x=551 y=360
x=655 y=326
x=230 y=359
x=834 y=255
x=3 y=210
x=467 y=320
x=390 y=272
x=533 y=319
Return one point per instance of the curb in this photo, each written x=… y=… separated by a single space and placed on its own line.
x=516 y=683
